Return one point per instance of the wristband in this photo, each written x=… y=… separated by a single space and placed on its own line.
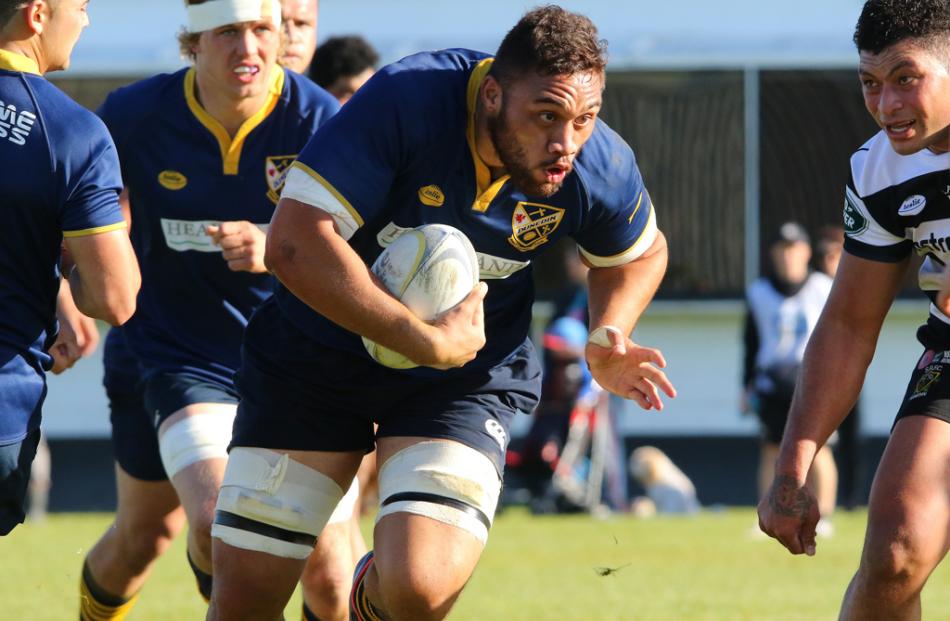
x=599 y=336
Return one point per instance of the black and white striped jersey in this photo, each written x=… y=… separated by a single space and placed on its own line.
x=898 y=204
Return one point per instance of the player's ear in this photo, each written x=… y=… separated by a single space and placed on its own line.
x=491 y=94
x=37 y=15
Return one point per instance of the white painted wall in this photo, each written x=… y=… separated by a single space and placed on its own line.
x=702 y=345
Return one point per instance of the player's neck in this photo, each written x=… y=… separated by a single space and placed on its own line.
x=231 y=112
x=484 y=146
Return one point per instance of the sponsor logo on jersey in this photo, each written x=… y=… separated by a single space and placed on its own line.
x=490 y=267
x=172 y=180
x=912 y=205
x=15 y=126
x=532 y=225
x=432 y=196
x=184 y=235
x=931 y=376
x=496 y=431
x=854 y=221
x=930 y=238
x=275 y=171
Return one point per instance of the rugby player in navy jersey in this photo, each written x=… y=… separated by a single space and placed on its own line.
x=895 y=205
x=510 y=151
x=59 y=179
x=325 y=579
x=204 y=153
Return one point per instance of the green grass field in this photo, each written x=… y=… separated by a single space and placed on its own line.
x=705 y=568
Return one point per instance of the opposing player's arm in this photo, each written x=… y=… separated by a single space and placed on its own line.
x=307 y=254
x=105 y=279
x=618 y=296
x=837 y=357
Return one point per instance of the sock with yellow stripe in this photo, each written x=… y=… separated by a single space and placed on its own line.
x=204 y=580
x=361 y=609
x=97 y=605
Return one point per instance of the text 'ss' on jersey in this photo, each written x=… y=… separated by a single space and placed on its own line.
x=401 y=154
x=59 y=177
x=184 y=172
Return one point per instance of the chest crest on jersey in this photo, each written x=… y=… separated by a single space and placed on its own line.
x=275 y=171
x=532 y=225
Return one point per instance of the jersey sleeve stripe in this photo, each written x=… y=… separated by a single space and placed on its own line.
x=95 y=230
x=306 y=185
x=644 y=241
x=883 y=254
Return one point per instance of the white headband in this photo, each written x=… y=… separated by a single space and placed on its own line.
x=217 y=13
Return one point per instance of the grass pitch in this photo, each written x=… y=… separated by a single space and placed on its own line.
x=705 y=568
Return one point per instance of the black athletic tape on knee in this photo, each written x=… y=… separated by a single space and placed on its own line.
x=226 y=518
x=440 y=500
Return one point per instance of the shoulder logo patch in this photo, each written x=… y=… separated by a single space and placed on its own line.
x=172 y=180
x=275 y=171
x=532 y=225
x=432 y=196
x=854 y=222
x=912 y=205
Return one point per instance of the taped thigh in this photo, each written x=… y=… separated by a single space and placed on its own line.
x=196 y=438
x=271 y=503
x=442 y=480
x=347 y=505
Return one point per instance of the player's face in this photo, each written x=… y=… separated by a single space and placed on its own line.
x=299 y=26
x=905 y=90
x=67 y=18
x=542 y=125
x=346 y=86
x=236 y=60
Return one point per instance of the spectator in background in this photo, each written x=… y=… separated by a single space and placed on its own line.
x=343 y=64
x=828 y=247
x=298 y=27
x=783 y=308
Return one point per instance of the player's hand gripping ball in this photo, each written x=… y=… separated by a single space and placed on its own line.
x=430 y=269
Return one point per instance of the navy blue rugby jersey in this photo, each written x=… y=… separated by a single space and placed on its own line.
x=896 y=205
x=183 y=173
x=401 y=153
x=59 y=176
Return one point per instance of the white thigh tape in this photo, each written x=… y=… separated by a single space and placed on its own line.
x=217 y=13
x=347 y=505
x=194 y=439
x=443 y=480
x=271 y=503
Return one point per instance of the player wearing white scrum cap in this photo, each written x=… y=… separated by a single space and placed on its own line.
x=203 y=153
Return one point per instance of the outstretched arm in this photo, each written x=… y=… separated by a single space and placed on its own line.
x=836 y=360
x=618 y=296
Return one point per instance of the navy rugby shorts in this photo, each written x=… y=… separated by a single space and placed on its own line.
x=297 y=394
x=16 y=461
x=134 y=439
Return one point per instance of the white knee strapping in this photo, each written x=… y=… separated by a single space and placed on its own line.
x=194 y=439
x=347 y=505
x=271 y=503
x=443 y=480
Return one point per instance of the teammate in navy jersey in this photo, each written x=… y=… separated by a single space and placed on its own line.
x=204 y=153
x=59 y=180
x=493 y=147
x=895 y=205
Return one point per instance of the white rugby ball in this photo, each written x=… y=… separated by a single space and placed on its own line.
x=430 y=269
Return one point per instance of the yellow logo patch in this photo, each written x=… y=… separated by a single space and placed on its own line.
x=432 y=196
x=275 y=171
x=172 y=179
x=532 y=225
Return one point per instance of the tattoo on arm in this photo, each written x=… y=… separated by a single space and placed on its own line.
x=788 y=498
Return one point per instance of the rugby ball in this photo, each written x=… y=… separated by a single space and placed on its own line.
x=430 y=269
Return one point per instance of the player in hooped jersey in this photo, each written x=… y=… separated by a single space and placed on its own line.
x=204 y=152
x=59 y=180
x=510 y=151
x=896 y=205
